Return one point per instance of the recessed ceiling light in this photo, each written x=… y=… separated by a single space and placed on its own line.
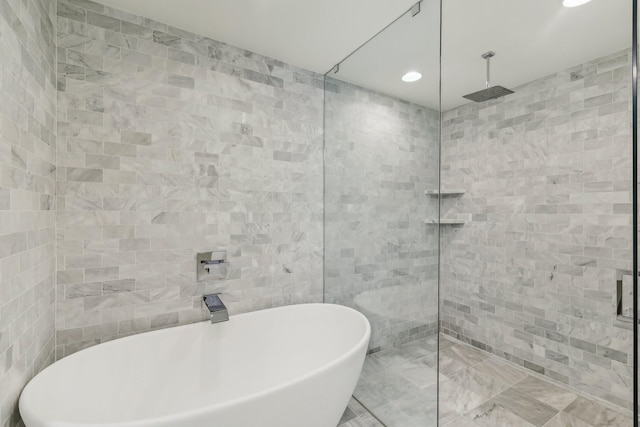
x=411 y=76
x=574 y=3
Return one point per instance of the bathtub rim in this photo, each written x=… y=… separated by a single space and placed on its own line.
x=178 y=416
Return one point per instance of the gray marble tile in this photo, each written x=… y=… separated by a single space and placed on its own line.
x=459 y=357
x=158 y=153
x=540 y=307
x=421 y=408
x=181 y=81
x=358 y=416
x=387 y=386
x=545 y=392
x=460 y=422
x=480 y=382
x=103 y=21
x=491 y=414
x=596 y=415
x=181 y=56
x=419 y=372
x=348 y=415
x=501 y=370
x=66 y=10
x=565 y=420
x=392 y=416
x=396 y=357
x=372 y=367
x=27 y=189
x=524 y=406
x=357 y=408
x=445 y=343
x=363 y=421
x=378 y=279
x=456 y=400
x=167 y=39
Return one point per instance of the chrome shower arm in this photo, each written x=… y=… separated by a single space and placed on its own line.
x=487 y=56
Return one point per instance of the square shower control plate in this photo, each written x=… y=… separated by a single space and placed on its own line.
x=211 y=266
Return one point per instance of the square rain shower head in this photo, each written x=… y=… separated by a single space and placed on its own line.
x=489 y=93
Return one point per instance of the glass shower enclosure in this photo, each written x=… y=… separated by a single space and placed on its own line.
x=381 y=210
x=488 y=237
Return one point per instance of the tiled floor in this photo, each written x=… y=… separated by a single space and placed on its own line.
x=476 y=390
x=357 y=416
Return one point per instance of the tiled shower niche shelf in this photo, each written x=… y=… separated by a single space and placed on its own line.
x=445 y=222
x=449 y=192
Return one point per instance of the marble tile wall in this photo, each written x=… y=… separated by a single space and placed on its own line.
x=381 y=258
x=170 y=144
x=27 y=185
x=532 y=274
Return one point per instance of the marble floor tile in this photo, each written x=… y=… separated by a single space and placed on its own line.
x=357 y=415
x=445 y=343
x=357 y=408
x=460 y=422
x=420 y=372
x=447 y=413
x=469 y=354
x=429 y=344
x=596 y=414
x=384 y=387
x=565 y=420
x=491 y=414
x=363 y=421
x=421 y=406
x=347 y=416
x=526 y=407
x=456 y=400
x=392 y=415
x=398 y=356
x=482 y=383
x=372 y=367
x=400 y=387
x=458 y=357
x=545 y=392
x=502 y=371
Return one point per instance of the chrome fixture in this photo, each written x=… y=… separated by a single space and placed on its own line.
x=211 y=266
x=217 y=310
x=489 y=92
x=624 y=295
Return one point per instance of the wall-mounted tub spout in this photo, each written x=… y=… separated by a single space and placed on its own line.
x=217 y=309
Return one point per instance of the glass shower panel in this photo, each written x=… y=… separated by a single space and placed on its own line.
x=381 y=211
x=534 y=283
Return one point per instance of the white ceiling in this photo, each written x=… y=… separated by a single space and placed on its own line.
x=532 y=38
x=310 y=34
x=412 y=43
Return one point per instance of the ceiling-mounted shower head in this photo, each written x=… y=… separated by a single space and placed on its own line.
x=489 y=92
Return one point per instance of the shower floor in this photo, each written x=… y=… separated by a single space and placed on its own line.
x=477 y=389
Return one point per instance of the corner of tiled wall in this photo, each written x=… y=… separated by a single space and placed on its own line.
x=381 y=160
x=27 y=186
x=170 y=143
x=547 y=174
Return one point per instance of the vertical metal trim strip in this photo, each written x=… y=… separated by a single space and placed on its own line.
x=634 y=183
x=439 y=244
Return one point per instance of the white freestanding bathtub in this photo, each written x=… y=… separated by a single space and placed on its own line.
x=284 y=367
